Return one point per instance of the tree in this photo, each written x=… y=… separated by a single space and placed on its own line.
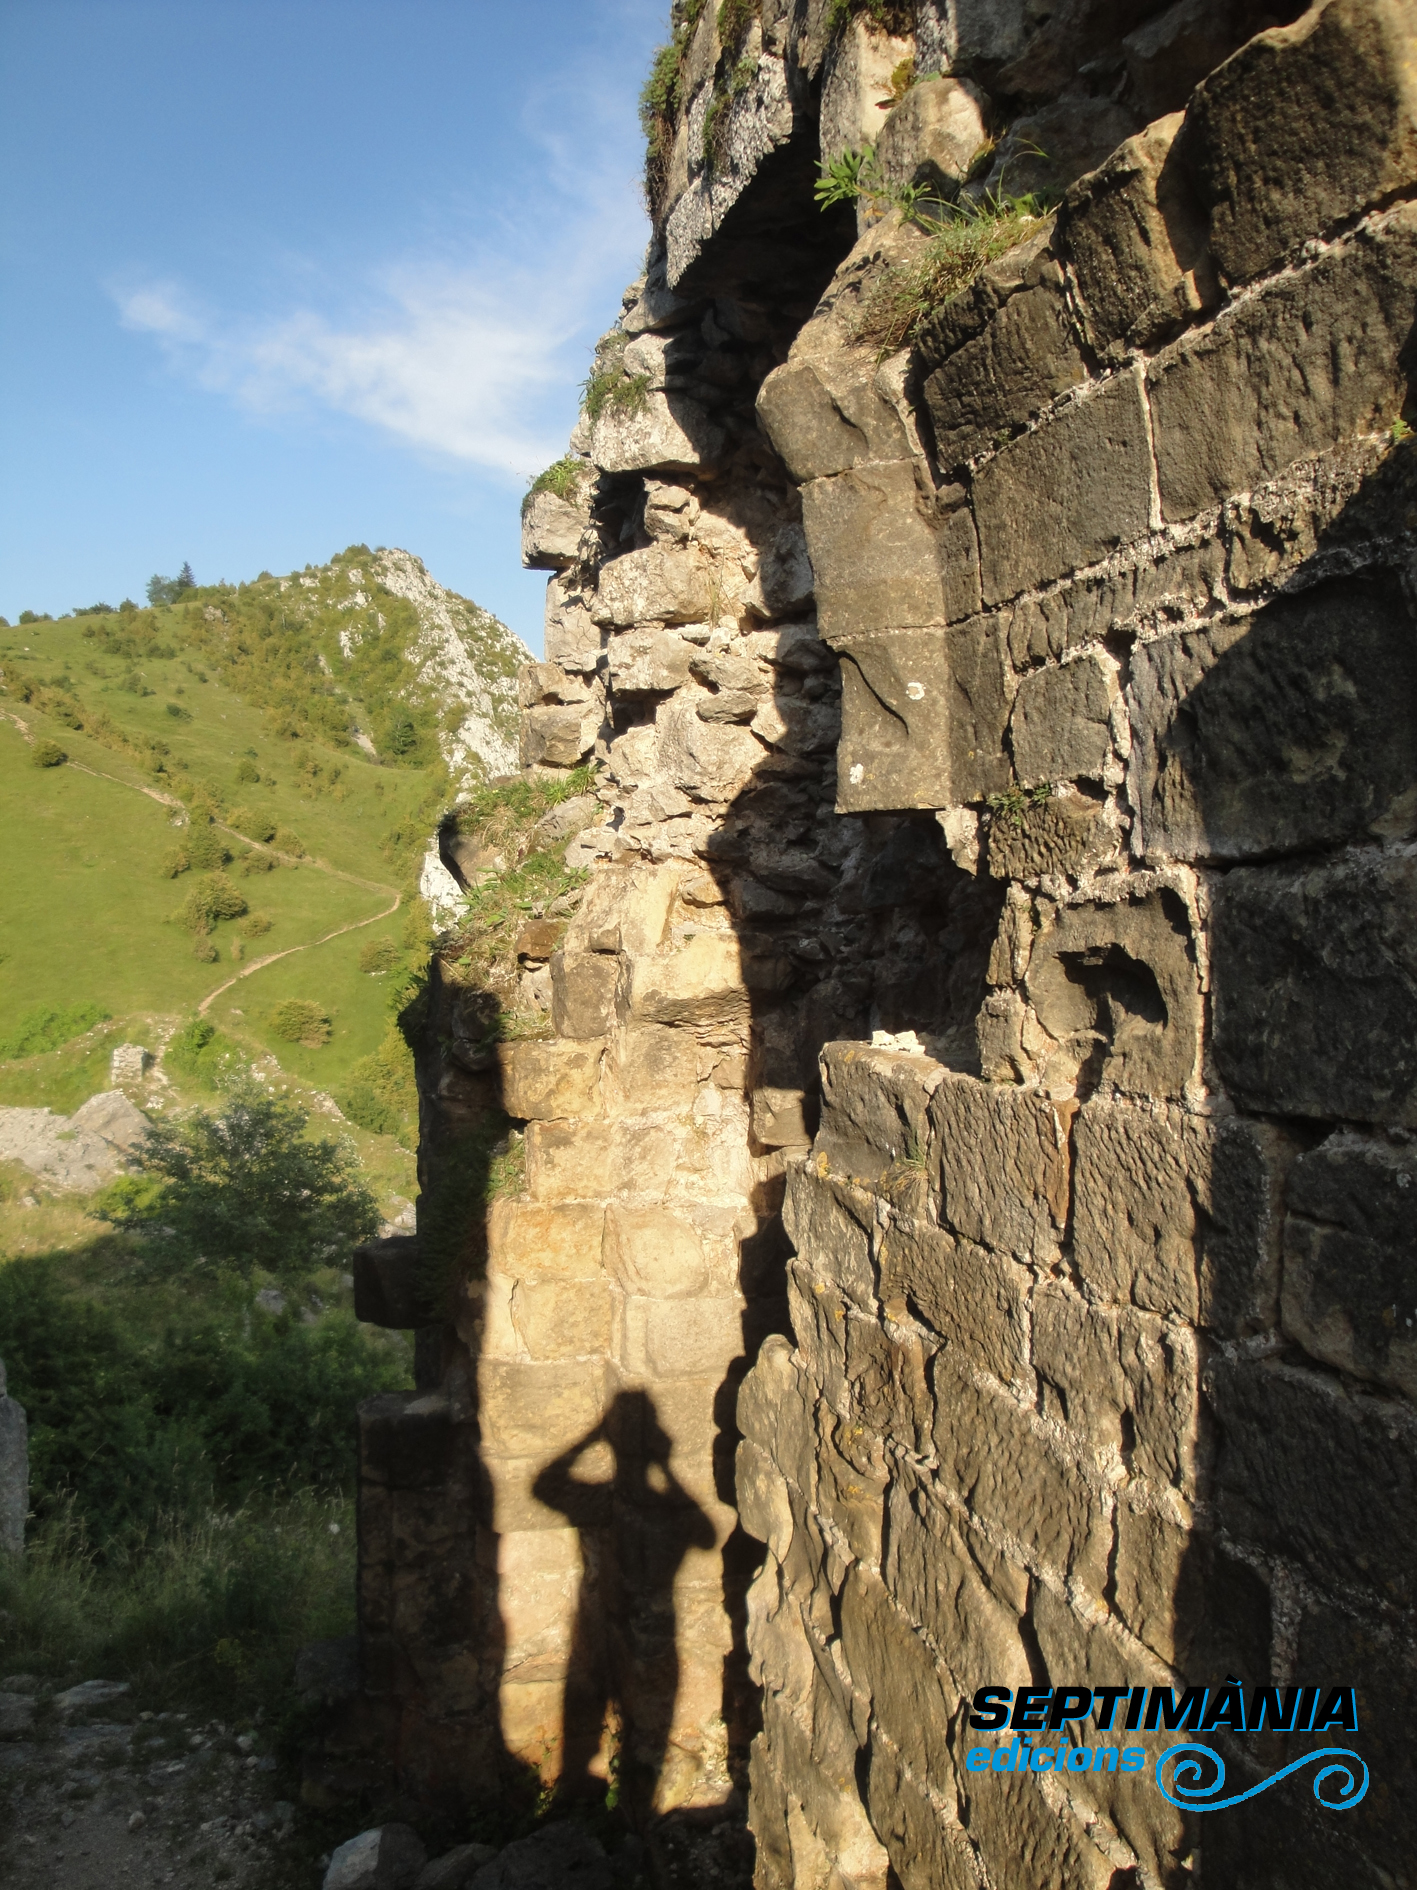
x=245 y=1188
x=165 y=590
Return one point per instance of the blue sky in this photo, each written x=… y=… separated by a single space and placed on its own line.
x=281 y=277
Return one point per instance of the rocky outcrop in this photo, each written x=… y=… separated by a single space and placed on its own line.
x=976 y=1082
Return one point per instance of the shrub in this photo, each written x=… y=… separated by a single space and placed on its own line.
x=378 y=956
x=204 y=951
x=205 y=848
x=46 y=1027
x=255 y=826
x=255 y=926
x=382 y=1095
x=285 y=841
x=174 y=861
x=563 y=478
x=178 y=713
x=48 y=755
x=972 y=237
x=248 y=774
x=201 y=1054
x=211 y=899
x=300 y=1020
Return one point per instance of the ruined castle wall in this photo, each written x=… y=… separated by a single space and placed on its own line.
x=988 y=1022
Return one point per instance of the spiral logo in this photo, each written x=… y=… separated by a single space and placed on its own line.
x=1199 y=1774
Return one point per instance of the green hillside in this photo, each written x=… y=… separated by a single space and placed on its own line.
x=250 y=773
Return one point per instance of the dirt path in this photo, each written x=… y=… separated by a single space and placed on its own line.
x=257 y=846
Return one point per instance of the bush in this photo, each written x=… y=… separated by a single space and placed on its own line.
x=205 y=848
x=285 y=841
x=253 y=864
x=255 y=926
x=299 y=1020
x=367 y=1110
x=48 y=755
x=174 y=862
x=248 y=774
x=47 y=1026
x=255 y=826
x=204 y=951
x=178 y=713
x=378 y=956
x=201 y=1054
x=244 y=1189
x=212 y=898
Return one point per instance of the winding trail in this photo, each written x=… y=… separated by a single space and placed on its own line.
x=258 y=846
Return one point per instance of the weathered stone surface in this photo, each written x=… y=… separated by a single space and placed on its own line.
x=651 y=1067
x=1136 y=238
x=974 y=1298
x=655 y=664
x=874 y=1105
x=658 y=585
x=1299 y=1463
x=530 y=1241
x=561 y=1319
x=1060 y=729
x=1047 y=149
x=703 y=981
x=653 y=1252
x=1015 y=1198
x=923 y=714
x=405 y=1439
x=388 y=1289
x=560 y=1856
x=681 y=1338
x=583 y=988
x=1279 y=732
x=925 y=1852
x=1315 y=979
x=1350 y=1259
x=1116 y=989
x=1180 y=1214
x=1184 y=1596
x=1024 y=358
x=544 y=1080
x=1315 y=358
x=389 y=1857
x=552 y=529
x=538 y=1409
x=454 y=1869
x=559 y=737
x=1064 y=496
x=712 y=761
x=824 y=416
x=830 y=1222
x=1061 y=836
x=1250 y=129
x=568 y=1161
x=874 y=550
x=668 y=433
x=933 y=136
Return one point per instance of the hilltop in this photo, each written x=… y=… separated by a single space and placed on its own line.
x=250 y=775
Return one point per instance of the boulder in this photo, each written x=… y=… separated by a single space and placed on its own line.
x=562 y=1856
x=390 y=1857
x=933 y=136
x=551 y=532
x=456 y=1869
x=668 y=433
x=89 y=1697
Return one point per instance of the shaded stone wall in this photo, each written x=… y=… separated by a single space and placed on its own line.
x=991 y=1009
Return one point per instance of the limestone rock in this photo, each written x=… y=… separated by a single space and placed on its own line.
x=559 y=737
x=90 y=1696
x=552 y=529
x=1047 y=149
x=823 y=414
x=389 y=1857
x=1250 y=130
x=873 y=550
x=933 y=136
x=1060 y=729
x=17 y=1712
x=657 y=585
x=1063 y=836
x=545 y=1080
x=455 y=1869
x=128 y=1063
x=668 y=433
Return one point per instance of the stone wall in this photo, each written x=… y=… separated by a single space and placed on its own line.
x=989 y=1020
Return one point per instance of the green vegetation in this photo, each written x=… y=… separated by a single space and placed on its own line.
x=300 y=1020
x=379 y=956
x=887 y=16
x=1014 y=802
x=241 y=1189
x=47 y=1026
x=610 y=387
x=563 y=478
x=48 y=755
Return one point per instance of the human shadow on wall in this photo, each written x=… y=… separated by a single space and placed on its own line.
x=636 y=1529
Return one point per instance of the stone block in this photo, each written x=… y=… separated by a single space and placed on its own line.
x=1284 y=731
x=454 y=1870
x=884 y=1362
x=666 y=433
x=583 y=986
x=390 y=1857
x=1001 y=1166
x=657 y=585
x=933 y=136
x=830 y=1224
x=651 y=1066
x=1061 y=836
x=1180 y=1214
x=561 y=1319
x=651 y=1252
x=681 y=1338
x=774 y=1409
x=1025 y=357
x=913 y=1699
x=1178 y=1590
x=1061 y=729
x=1350 y=1259
x=874 y=1105
x=712 y=761
x=1299 y=1462
x=648 y=665
x=528 y=1240
x=1317 y=357
x=1001 y=1461
x=624 y=909
x=1250 y=129
x=925 y=1852
x=1017 y=1829
x=388 y=1288
x=824 y=416
x=1135 y=235
x=580 y=1161
x=405 y=1440
x=780 y=1117
x=536 y=1409
x=1116 y=988
x=874 y=550
x=1067 y=494
x=1124 y=1380
x=763 y=1506
x=703 y=981
x=1314 y=971
x=959 y=565
x=552 y=529
x=976 y=1300
x=923 y=714
x=541 y=1081
x=559 y=737
x=523 y=1499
